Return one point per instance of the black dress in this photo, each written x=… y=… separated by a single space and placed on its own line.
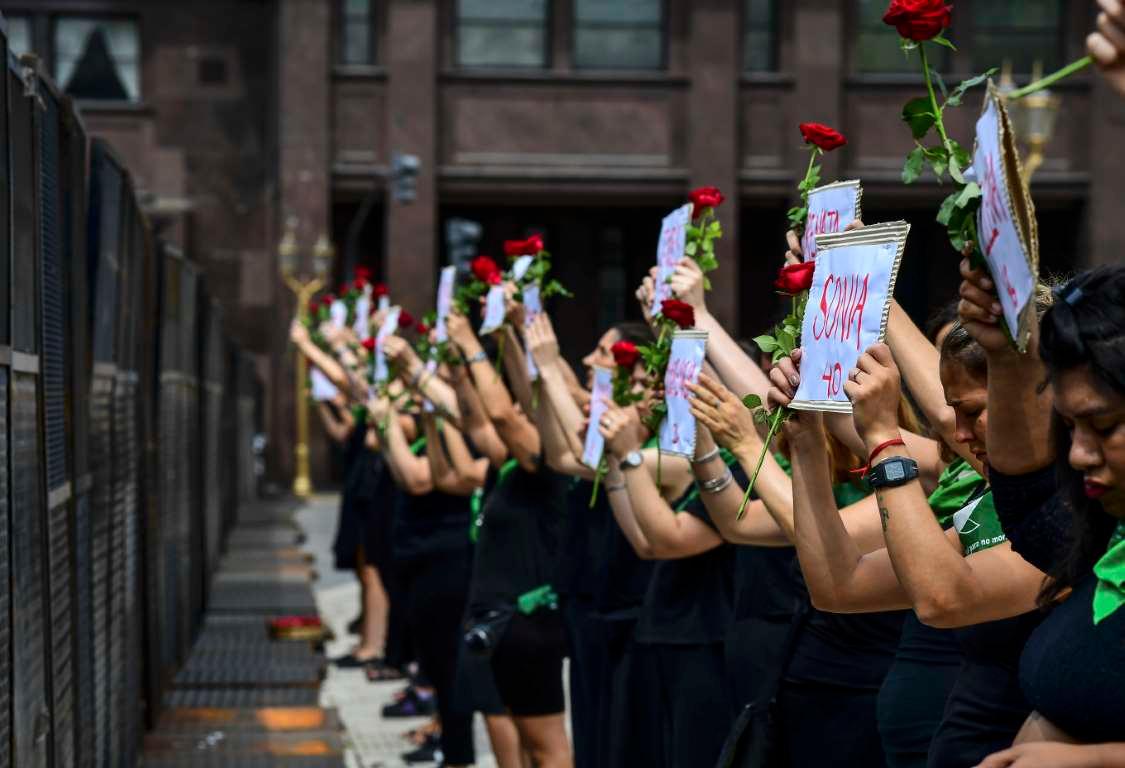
x=1073 y=671
x=360 y=476
x=517 y=552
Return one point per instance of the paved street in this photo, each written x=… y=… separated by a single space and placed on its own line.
x=372 y=741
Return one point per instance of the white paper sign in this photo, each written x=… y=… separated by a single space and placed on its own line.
x=389 y=326
x=1004 y=249
x=520 y=267
x=444 y=302
x=384 y=303
x=322 y=388
x=362 y=325
x=595 y=443
x=493 y=310
x=831 y=209
x=669 y=252
x=532 y=308
x=431 y=369
x=338 y=311
x=677 y=431
x=847 y=308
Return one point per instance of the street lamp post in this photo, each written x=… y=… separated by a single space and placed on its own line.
x=1033 y=118
x=303 y=290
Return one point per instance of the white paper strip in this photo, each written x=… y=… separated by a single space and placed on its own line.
x=532 y=308
x=520 y=267
x=431 y=369
x=322 y=389
x=677 y=431
x=669 y=252
x=362 y=324
x=338 y=311
x=595 y=443
x=493 y=310
x=389 y=326
x=444 y=302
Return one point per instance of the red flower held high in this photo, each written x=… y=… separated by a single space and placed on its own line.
x=484 y=269
x=328 y=299
x=422 y=328
x=369 y=343
x=794 y=278
x=678 y=312
x=704 y=197
x=918 y=20
x=822 y=136
x=405 y=319
x=529 y=247
x=363 y=273
x=380 y=290
x=625 y=354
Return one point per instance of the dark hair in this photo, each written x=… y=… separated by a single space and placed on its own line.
x=638 y=333
x=1085 y=327
x=963 y=349
x=942 y=316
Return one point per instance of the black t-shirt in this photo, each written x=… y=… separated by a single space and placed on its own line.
x=520 y=537
x=850 y=650
x=767 y=585
x=690 y=600
x=623 y=577
x=361 y=465
x=1073 y=671
x=586 y=528
x=923 y=644
x=429 y=524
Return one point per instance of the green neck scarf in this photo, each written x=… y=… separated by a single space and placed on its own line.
x=1110 y=570
x=476 y=502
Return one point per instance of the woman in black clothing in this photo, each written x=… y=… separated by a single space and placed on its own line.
x=516 y=558
x=1072 y=666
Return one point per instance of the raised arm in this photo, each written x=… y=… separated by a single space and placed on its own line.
x=329 y=366
x=410 y=472
x=670 y=535
x=472 y=472
x=560 y=452
x=475 y=421
x=337 y=420
x=413 y=373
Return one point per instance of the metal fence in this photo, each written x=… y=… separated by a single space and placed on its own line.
x=126 y=424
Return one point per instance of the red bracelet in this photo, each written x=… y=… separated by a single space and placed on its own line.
x=862 y=471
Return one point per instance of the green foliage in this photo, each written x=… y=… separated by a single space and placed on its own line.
x=919 y=116
x=752 y=401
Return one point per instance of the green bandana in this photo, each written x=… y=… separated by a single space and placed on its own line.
x=1110 y=570
x=978 y=526
x=958 y=483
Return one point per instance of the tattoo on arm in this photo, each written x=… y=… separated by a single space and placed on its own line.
x=884 y=513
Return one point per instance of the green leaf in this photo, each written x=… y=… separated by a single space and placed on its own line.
x=691 y=248
x=948 y=207
x=752 y=401
x=706 y=283
x=766 y=343
x=937 y=78
x=918 y=114
x=913 y=168
x=942 y=40
x=693 y=232
x=906 y=45
x=954 y=98
x=970 y=192
x=761 y=416
x=786 y=341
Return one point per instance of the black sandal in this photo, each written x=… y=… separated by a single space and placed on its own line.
x=378 y=671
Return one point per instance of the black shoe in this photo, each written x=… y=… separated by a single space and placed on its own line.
x=411 y=705
x=430 y=752
x=355 y=625
x=349 y=662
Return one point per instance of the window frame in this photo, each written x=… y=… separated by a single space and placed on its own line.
x=662 y=28
x=52 y=19
x=548 y=44
x=340 y=27
x=1061 y=31
x=774 y=31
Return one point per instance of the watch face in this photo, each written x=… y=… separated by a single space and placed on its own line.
x=894 y=471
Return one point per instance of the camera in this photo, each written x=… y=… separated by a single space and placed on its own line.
x=485 y=631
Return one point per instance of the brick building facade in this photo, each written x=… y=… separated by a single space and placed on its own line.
x=586 y=120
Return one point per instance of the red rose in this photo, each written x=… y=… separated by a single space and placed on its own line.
x=422 y=328
x=483 y=268
x=822 y=136
x=496 y=278
x=625 y=354
x=405 y=319
x=704 y=197
x=794 y=278
x=678 y=312
x=359 y=283
x=363 y=273
x=918 y=20
x=369 y=343
x=314 y=307
x=328 y=299
x=380 y=290
x=529 y=247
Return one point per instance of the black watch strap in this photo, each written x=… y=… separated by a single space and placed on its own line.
x=893 y=472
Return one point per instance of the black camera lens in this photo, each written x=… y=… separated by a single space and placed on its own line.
x=479 y=640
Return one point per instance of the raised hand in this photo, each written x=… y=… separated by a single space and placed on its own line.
x=621 y=428
x=398 y=349
x=644 y=295
x=1107 y=43
x=459 y=330
x=979 y=309
x=729 y=421
x=539 y=336
x=874 y=386
x=298 y=333
x=687 y=284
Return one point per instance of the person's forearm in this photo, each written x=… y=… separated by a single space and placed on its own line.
x=557 y=393
x=472 y=472
x=494 y=395
x=556 y=451
x=477 y=425
x=775 y=488
x=328 y=365
x=411 y=472
x=618 y=494
x=657 y=520
x=919 y=362
x=739 y=371
x=515 y=365
x=336 y=428
x=444 y=478
x=431 y=387
x=1109 y=755
x=1019 y=414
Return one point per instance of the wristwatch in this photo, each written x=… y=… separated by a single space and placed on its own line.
x=632 y=460
x=892 y=473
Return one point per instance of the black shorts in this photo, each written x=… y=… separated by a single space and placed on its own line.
x=527 y=665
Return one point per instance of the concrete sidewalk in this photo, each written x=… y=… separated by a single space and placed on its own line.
x=371 y=740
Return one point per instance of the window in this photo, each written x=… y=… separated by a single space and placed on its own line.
x=759 y=47
x=502 y=33
x=98 y=58
x=1022 y=32
x=618 y=34
x=877 y=45
x=356 y=32
x=19 y=35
